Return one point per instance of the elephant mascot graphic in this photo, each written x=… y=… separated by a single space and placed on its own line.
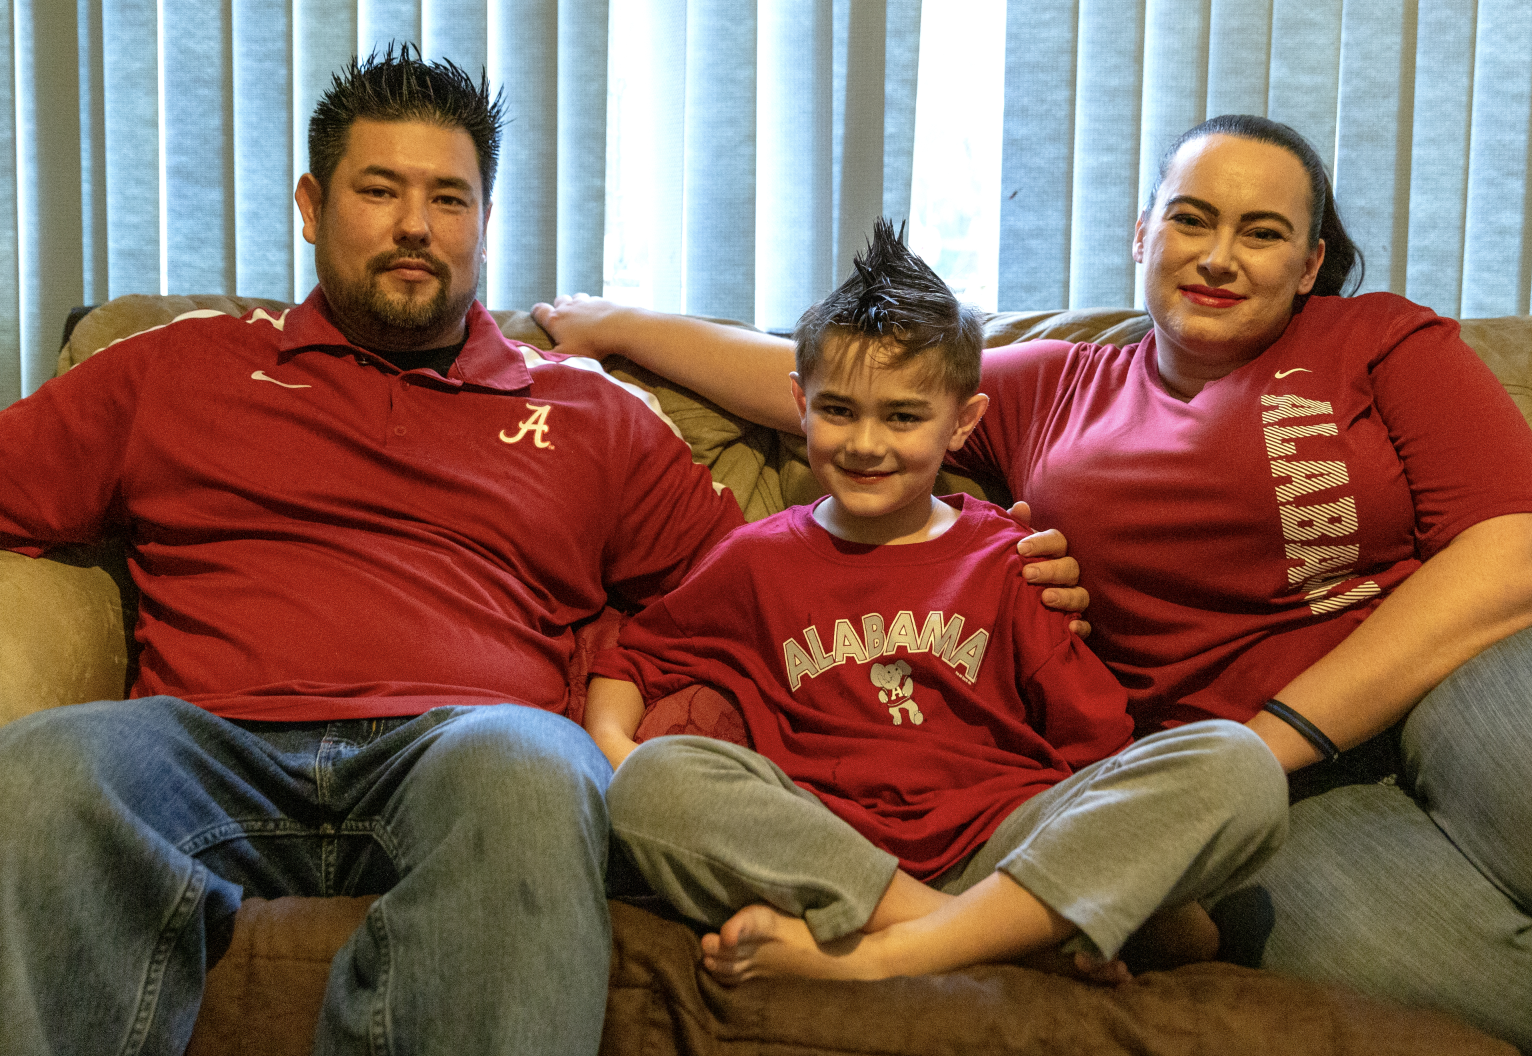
x=895 y=685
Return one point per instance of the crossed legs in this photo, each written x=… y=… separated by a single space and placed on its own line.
x=729 y=840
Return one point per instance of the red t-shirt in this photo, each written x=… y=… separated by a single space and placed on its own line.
x=1231 y=541
x=318 y=536
x=920 y=691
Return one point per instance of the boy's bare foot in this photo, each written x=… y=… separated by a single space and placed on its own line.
x=994 y=921
x=1171 y=938
x=759 y=942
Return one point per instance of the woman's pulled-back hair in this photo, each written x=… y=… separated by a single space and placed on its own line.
x=897 y=309
x=1342 y=256
x=403 y=88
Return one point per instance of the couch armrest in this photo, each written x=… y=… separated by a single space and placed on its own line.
x=136 y=312
x=62 y=638
x=1505 y=345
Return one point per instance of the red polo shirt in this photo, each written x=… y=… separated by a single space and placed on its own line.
x=317 y=535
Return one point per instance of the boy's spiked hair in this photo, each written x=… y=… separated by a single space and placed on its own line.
x=405 y=88
x=895 y=307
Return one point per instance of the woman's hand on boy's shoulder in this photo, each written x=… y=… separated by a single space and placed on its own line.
x=1053 y=569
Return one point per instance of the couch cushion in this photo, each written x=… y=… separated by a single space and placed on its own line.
x=263 y=999
x=662 y=1004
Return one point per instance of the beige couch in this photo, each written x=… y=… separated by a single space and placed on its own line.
x=65 y=637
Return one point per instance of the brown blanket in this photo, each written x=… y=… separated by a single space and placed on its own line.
x=662 y=1003
x=263 y=999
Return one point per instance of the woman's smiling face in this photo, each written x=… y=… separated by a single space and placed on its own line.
x=1225 y=249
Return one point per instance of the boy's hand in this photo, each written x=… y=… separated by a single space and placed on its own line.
x=614 y=746
x=613 y=710
x=1059 y=572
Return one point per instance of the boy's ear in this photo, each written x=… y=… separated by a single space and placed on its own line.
x=800 y=398
x=968 y=420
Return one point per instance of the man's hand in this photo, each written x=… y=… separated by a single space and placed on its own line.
x=581 y=325
x=1060 y=572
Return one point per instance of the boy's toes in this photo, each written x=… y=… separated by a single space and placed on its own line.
x=726 y=970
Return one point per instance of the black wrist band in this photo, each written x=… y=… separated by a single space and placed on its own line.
x=1311 y=733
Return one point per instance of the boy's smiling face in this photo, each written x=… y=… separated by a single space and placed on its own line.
x=877 y=436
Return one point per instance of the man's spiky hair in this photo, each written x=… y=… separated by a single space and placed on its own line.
x=405 y=88
x=896 y=308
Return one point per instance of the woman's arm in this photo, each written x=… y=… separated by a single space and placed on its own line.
x=1420 y=634
x=743 y=371
x=613 y=710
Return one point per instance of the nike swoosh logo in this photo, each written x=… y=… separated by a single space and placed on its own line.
x=260 y=375
x=1294 y=370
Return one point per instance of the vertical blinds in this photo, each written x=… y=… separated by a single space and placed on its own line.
x=156 y=142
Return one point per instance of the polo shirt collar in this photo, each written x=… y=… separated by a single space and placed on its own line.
x=488 y=360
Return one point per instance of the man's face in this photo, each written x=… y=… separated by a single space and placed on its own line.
x=399 y=238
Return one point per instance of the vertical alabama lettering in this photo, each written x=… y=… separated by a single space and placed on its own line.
x=1314 y=534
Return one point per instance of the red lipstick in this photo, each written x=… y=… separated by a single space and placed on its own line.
x=1210 y=297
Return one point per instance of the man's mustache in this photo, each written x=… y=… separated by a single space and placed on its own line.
x=383 y=261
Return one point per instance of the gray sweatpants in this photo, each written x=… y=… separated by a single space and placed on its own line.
x=1177 y=817
x=1421 y=892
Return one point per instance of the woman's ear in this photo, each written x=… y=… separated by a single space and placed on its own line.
x=1311 y=267
x=1138 y=236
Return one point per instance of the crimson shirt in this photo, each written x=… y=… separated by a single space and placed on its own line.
x=317 y=535
x=1231 y=541
x=921 y=691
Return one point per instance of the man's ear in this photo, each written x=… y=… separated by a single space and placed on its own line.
x=484 y=231
x=968 y=420
x=310 y=198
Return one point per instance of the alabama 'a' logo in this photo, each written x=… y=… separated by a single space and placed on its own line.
x=536 y=424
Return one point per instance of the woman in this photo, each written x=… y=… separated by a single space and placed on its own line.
x=1297 y=509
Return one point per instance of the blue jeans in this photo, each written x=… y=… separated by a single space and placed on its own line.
x=1422 y=891
x=130 y=830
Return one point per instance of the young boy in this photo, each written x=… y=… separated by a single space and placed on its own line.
x=943 y=775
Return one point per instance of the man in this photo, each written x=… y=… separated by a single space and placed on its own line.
x=363 y=531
